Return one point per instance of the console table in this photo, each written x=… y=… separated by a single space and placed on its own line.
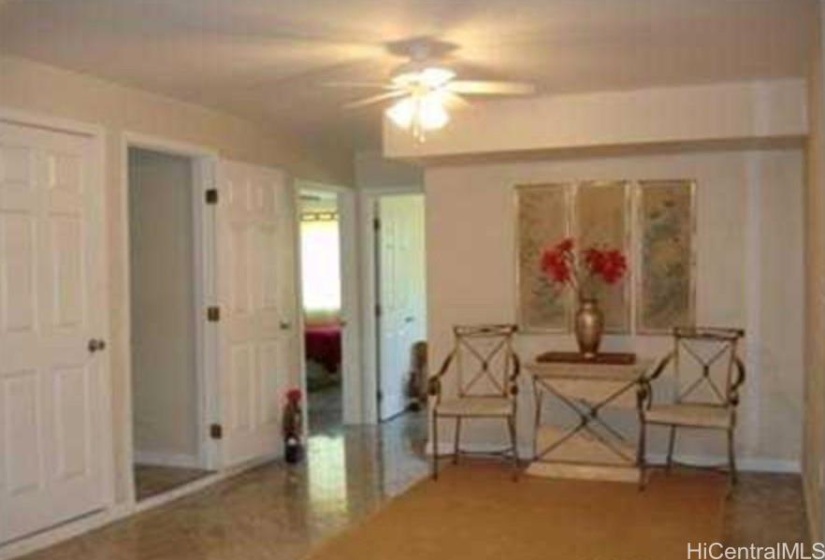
x=589 y=447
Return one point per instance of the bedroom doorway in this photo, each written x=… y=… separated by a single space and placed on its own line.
x=321 y=294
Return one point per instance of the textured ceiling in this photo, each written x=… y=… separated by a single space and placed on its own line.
x=268 y=59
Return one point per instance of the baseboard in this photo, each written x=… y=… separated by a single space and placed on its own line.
x=446 y=448
x=116 y=512
x=756 y=464
x=167 y=459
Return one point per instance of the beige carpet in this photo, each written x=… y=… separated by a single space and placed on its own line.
x=475 y=511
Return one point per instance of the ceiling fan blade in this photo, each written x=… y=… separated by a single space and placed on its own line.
x=375 y=99
x=491 y=88
x=373 y=85
x=455 y=101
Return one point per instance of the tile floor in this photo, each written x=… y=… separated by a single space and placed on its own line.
x=151 y=480
x=278 y=512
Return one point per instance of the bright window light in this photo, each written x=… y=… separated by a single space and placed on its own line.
x=321 y=266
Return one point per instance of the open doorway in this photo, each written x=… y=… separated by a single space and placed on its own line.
x=401 y=325
x=164 y=293
x=321 y=293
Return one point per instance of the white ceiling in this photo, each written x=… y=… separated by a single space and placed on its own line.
x=268 y=59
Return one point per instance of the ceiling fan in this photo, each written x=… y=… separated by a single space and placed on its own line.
x=426 y=85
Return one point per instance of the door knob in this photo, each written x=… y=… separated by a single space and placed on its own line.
x=285 y=325
x=409 y=319
x=96 y=345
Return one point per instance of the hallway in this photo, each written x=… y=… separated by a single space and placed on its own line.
x=274 y=512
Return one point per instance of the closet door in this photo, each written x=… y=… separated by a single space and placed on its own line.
x=402 y=295
x=51 y=364
x=257 y=348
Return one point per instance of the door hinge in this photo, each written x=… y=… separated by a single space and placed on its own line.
x=379 y=395
x=213 y=314
x=212 y=196
x=376 y=224
x=377 y=309
x=216 y=431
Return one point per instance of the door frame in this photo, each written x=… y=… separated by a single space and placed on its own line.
x=352 y=379
x=205 y=163
x=96 y=135
x=367 y=204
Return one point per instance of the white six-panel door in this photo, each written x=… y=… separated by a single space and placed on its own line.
x=402 y=294
x=257 y=347
x=51 y=427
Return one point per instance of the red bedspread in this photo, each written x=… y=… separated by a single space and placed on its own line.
x=323 y=345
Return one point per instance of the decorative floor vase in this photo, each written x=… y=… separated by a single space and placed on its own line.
x=589 y=327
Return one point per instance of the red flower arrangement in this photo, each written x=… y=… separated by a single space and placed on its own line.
x=562 y=266
x=293 y=396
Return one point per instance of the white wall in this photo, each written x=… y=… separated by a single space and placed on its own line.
x=749 y=273
x=45 y=90
x=164 y=379
x=814 y=456
x=373 y=172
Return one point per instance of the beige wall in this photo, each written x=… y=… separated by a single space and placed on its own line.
x=161 y=248
x=814 y=456
x=374 y=172
x=47 y=90
x=749 y=273
x=674 y=115
x=35 y=88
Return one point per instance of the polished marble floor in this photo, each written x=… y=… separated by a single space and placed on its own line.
x=279 y=512
x=151 y=480
x=325 y=413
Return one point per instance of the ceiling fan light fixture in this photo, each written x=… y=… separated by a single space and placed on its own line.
x=430 y=77
x=402 y=113
x=421 y=113
x=431 y=112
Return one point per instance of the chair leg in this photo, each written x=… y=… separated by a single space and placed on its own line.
x=511 y=426
x=435 y=445
x=457 y=439
x=640 y=460
x=670 y=444
x=732 y=458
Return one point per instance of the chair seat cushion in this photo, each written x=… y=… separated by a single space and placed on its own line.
x=685 y=414
x=475 y=406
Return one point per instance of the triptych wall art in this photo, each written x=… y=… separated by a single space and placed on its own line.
x=651 y=222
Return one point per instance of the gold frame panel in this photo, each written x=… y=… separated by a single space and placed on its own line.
x=640 y=327
x=625 y=246
x=566 y=299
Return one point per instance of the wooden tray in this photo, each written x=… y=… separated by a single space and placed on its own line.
x=614 y=358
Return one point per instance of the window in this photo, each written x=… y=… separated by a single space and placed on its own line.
x=320 y=264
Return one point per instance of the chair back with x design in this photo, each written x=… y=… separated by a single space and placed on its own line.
x=704 y=362
x=485 y=362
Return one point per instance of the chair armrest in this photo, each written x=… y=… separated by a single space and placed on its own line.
x=733 y=392
x=434 y=382
x=644 y=393
x=512 y=382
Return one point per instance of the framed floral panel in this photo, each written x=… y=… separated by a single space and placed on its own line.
x=542 y=220
x=666 y=283
x=602 y=219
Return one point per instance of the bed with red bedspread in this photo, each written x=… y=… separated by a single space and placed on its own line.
x=323 y=345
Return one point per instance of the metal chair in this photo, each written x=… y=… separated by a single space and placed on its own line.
x=707 y=377
x=487 y=370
